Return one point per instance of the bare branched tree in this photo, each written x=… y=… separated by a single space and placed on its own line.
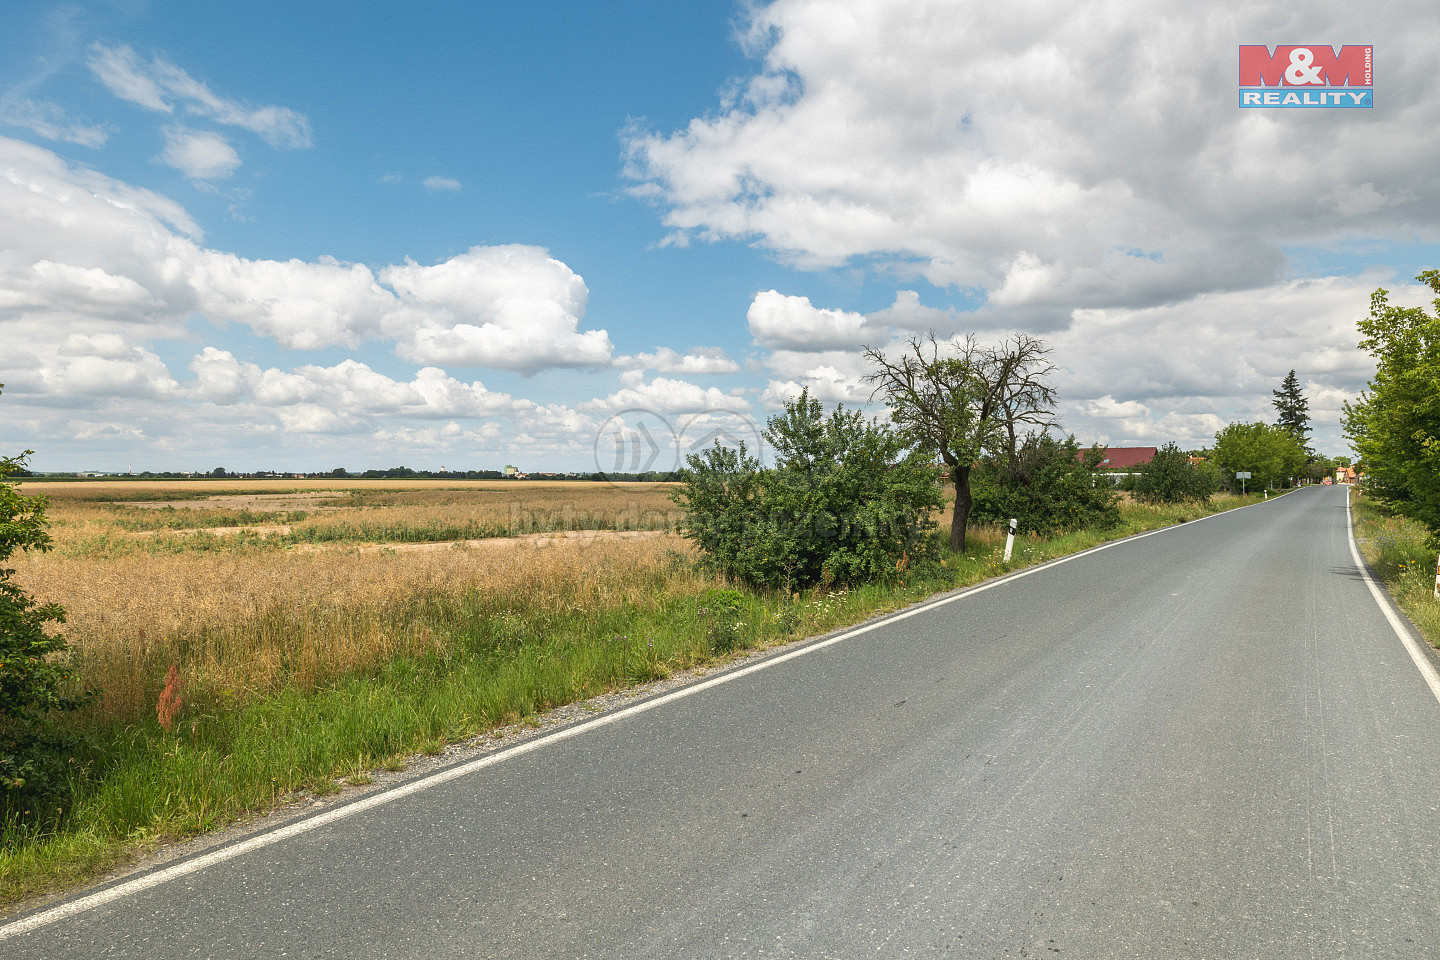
x=963 y=400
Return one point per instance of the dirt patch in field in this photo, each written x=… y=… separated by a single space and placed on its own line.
x=259 y=502
x=539 y=540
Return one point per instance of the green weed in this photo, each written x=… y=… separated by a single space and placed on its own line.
x=1397 y=550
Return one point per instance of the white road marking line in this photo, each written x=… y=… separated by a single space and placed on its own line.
x=1412 y=646
x=260 y=841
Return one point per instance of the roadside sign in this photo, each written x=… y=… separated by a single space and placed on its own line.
x=1242 y=475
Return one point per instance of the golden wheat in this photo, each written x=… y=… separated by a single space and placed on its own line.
x=378 y=511
x=238 y=620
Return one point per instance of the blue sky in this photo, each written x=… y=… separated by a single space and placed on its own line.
x=307 y=235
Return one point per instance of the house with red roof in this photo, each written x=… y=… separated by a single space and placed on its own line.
x=1124 y=458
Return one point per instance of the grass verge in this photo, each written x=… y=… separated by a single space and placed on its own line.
x=1398 y=550
x=482 y=660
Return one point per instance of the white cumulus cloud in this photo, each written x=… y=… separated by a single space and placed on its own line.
x=82 y=312
x=510 y=307
x=700 y=360
x=665 y=395
x=138 y=264
x=787 y=322
x=1046 y=154
x=1181 y=371
x=349 y=386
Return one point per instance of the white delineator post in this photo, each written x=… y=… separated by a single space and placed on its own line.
x=1010 y=545
x=1437 y=578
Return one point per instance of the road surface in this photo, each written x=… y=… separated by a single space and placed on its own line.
x=1205 y=742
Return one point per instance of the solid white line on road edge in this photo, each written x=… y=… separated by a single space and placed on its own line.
x=145 y=882
x=1412 y=646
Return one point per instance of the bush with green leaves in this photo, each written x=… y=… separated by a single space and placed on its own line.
x=1395 y=424
x=1170 y=477
x=35 y=679
x=1270 y=454
x=848 y=501
x=1047 y=485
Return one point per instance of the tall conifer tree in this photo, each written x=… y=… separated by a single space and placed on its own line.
x=1293 y=410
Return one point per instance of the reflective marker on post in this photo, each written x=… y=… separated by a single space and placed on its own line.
x=1437 y=578
x=1010 y=544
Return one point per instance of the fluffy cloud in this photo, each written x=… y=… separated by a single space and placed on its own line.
x=699 y=361
x=350 y=386
x=1183 y=370
x=908 y=313
x=103 y=375
x=509 y=307
x=1045 y=154
x=297 y=303
x=663 y=395
x=826 y=384
x=1108 y=408
x=199 y=154
x=81 y=310
x=832 y=376
x=161 y=86
x=792 y=323
x=138 y=265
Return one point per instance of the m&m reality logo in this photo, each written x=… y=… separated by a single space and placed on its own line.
x=1314 y=75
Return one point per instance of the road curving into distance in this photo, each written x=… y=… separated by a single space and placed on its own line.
x=1204 y=742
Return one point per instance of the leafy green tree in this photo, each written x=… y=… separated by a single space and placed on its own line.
x=1170 y=477
x=1292 y=410
x=1318 y=468
x=1271 y=454
x=1047 y=485
x=34 y=678
x=847 y=501
x=1395 y=424
x=959 y=401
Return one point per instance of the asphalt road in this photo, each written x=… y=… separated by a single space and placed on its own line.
x=1207 y=742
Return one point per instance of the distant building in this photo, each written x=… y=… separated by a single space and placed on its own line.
x=511 y=470
x=1124 y=458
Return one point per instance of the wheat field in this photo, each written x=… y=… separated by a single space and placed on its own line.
x=246 y=587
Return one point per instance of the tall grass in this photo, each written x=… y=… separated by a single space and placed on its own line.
x=1398 y=550
x=300 y=667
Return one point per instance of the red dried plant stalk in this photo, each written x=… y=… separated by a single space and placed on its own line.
x=169 y=703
